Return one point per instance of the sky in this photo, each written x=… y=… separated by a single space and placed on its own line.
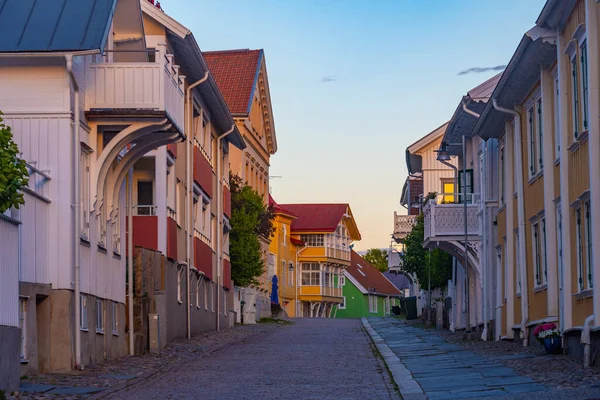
x=354 y=82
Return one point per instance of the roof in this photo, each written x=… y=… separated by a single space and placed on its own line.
x=189 y=57
x=236 y=72
x=519 y=78
x=462 y=122
x=398 y=279
x=322 y=218
x=297 y=242
x=414 y=161
x=54 y=25
x=278 y=209
x=369 y=277
x=556 y=13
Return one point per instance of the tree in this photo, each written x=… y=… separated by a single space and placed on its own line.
x=416 y=259
x=250 y=219
x=13 y=171
x=377 y=258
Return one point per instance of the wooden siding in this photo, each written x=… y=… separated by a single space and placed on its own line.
x=579 y=176
x=433 y=170
x=9 y=270
x=34 y=251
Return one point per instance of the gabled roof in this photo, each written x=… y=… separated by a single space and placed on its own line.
x=322 y=218
x=368 y=279
x=54 y=25
x=414 y=161
x=189 y=56
x=278 y=209
x=236 y=72
x=556 y=13
x=519 y=78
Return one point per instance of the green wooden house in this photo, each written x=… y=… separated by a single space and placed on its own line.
x=366 y=291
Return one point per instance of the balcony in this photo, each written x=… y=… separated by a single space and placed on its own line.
x=135 y=87
x=444 y=221
x=403 y=225
x=338 y=253
x=314 y=290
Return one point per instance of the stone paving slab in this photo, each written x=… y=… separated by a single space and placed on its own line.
x=446 y=371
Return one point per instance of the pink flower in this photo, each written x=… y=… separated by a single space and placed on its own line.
x=537 y=330
x=548 y=326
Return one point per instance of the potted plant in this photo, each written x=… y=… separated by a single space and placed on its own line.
x=549 y=335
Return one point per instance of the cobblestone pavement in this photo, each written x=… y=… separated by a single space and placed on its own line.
x=447 y=367
x=309 y=359
x=121 y=371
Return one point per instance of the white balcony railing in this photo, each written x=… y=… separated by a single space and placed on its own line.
x=337 y=253
x=403 y=225
x=137 y=86
x=447 y=219
x=141 y=210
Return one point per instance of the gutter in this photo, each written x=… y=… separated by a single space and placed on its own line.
x=189 y=134
x=520 y=219
x=219 y=199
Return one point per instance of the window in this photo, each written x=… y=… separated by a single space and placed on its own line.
x=145 y=198
x=544 y=257
x=342 y=305
x=342 y=280
x=537 y=257
x=284 y=228
x=584 y=84
x=518 y=263
x=292 y=272
x=23 y=326
x=588 y=239
x=313 y=240
x=556 y=118
x=85 y=193
x=99 y=316
x=198 y=294
x=448 y=190
x=114 y=319
x=532 y=150
x=540 y=134
x=83 y=312
x=205 y=292
x=178 y=208
x=311 y=274
x=372 y=304
x=575 y=97
x=468 y=182
x=502 y=175
x=579 y=250
x=284 y=272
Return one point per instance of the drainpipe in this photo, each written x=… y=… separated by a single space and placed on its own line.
x=76 y=207
x=219 y=199
x=520 y=218
x=129 y=192
x=586 y=340
x=189 y=134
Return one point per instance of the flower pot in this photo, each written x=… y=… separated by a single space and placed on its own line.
x=552 y=345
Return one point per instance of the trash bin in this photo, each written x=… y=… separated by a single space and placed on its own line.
x=396 y=310
x=411 y=307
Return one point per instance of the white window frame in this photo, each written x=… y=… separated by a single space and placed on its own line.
x=556 y=108
x=83 y=313
x=313 y=273
x=535 y=250
x=531 y=142
x=579 y=249
x=575 y=103
x=23 y=326
x=84 y=163
x=291 y=274
x=114 y=319
x=342 y=305
x=544 y=250
x=539 y=133
x=284 y=230
x=373 y=304
x=179 y=284
x=313 y=240
x=342 y=280
x=99 y=316
x=585 y=92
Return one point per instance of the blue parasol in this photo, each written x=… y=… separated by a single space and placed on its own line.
x=274 y=294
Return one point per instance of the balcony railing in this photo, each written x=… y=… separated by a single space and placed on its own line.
x=446 y=219
x=403 y=225
x=144 y=210
x=314 y=290
x=337 y=253
x=137 y=86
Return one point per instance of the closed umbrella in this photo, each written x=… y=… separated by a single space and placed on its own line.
x=274 y=294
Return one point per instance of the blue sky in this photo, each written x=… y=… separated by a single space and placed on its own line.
x=353 y=83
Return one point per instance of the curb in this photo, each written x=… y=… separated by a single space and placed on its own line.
x=132 y=382
x=409 y=388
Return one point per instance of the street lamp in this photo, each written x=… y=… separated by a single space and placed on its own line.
x=444 y=155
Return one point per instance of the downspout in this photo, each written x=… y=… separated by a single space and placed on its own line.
x=190 y=234
x=586 y=340
x=520 y=218
x=76 y=207
x=219 y=199
x=129 y=191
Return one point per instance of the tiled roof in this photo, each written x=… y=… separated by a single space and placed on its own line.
x=297 y=242
x=54 y=25
x=235 y=72
x=369 y=277
x=278 y=209
x=483 y=91
x=316 y=217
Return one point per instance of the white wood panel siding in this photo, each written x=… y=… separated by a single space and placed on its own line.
x=24 y=89
x=34 y=215
x=9 y=273
x=45 y=143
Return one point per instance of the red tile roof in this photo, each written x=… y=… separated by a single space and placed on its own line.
x=297 y=242
x=235 y=72
x=370 y=277
x=316 y=217
x=278 y=209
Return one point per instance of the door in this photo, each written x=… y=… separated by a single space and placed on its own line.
x=469 y=184
x=145 y=197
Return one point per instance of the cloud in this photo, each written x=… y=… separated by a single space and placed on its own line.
x=327 y=79
x=479 y=70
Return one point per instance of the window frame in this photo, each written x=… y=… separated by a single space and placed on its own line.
x=535 y=244
x=469 y=187
x=574 y=95
x=556 y=111
x=531 y=142
x=83 y=313
x=114 y=319
x=579 y=249
x=99 y=316
x=342 y=305
x=585 y=97
x=544 y=250
x=588 y=236
x=540 y=133
x=502 y=180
